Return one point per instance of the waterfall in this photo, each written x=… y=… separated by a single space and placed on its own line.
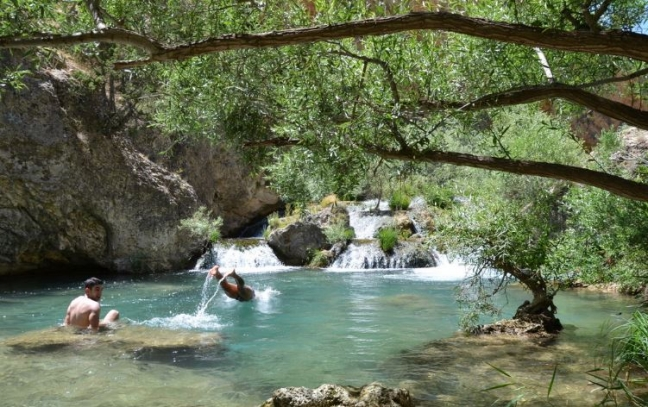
x=366 y=222
x=365 y=254
x=240 y=254
x=365 y=218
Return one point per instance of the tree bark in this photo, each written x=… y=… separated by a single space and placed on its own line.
x=541 y=309
x=530 y=94
x=620 y=43
x=611 y=183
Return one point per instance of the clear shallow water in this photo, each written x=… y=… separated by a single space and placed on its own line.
x=306 y=328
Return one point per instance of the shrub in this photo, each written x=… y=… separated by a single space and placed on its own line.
x=387 y=238
x=399 y=201
x=202 y=226
x=319 y=259
x=440 y=197
x=339 y=233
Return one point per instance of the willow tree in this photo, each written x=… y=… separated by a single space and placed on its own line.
x=330 y=87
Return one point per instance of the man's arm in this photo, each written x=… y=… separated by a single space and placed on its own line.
x=94 y=319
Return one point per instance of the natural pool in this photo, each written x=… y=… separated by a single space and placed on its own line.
x=306 y=328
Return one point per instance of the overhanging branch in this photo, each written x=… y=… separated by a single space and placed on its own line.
x=625 y=44
x=608 y=107
x=614 y=184
x=611 y=183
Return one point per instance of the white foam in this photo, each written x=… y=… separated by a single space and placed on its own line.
x=185 y=321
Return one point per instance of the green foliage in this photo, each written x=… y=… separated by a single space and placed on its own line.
x=399 y=201
x=604 y=240
x=633 y=344
x=12 y=78
x=339 y=233
x=625 y=368
x=387 y=238
x=318 y=259
x=440 y=197
x=202 y=226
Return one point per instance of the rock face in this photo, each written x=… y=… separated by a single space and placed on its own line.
x=219 y=177
x=76 y=192
x=330 y=395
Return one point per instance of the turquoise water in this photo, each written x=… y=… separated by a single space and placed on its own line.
x=306 y=328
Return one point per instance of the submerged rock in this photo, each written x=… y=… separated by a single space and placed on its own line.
x=331 y=395
x=129 y=340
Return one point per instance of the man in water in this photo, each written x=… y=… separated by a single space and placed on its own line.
x=238 y=291
x=85 y=311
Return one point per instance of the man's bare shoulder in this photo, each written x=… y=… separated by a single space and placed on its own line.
x=85 y=302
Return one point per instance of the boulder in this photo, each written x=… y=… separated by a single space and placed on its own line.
x=295 y=244
x=330 y=215
x=331 y=395
x=404 y=224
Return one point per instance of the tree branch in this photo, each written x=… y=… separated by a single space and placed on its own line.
x=615 y=110
x=634 y=75
x=384 y=65
x=108 y=35
x=625 y=44
x=602 y=9
x=614 y=184
x=611 y=183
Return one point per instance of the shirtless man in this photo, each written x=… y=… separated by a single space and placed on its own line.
x=84 y=311
x=238 y=291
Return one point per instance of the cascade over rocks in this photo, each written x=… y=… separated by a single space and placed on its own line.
x=331 y=395
x=296 y=243
x=78 y=192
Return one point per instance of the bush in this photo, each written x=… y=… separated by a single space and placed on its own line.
x=387 y=238
x=202 y=226
x=439 y=197
x=339 y=233
x=399 y=201
x=319 y=259
x=604 y=240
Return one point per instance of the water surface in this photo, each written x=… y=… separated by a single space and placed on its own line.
x=306 y=328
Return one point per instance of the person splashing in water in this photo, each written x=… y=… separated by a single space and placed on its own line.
x=85 y=312
x=238 y=291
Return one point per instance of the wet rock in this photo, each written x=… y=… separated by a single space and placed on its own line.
x=295 y=243
x=129 y=340
x=517 y=327
x=331 y=395
x=330 y=215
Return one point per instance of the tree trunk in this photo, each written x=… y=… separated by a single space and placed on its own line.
x=541 y=309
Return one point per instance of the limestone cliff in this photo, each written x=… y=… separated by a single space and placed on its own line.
x=78 y=191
